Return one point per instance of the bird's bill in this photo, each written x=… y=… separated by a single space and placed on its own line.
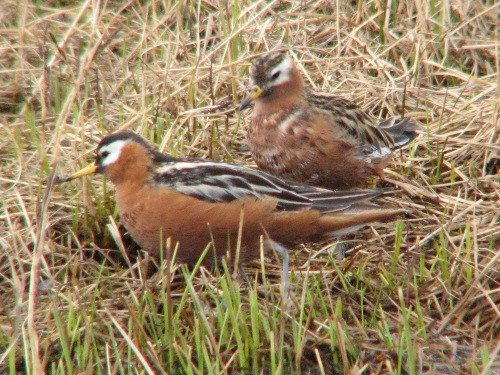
x=90 y=169
x=254 y=94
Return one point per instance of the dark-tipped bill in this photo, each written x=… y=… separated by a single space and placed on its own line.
x=90 y=169
x=254 y=94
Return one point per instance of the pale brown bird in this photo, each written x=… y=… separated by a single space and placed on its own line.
x=316 y=139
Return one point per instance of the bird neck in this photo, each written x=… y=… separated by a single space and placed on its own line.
x=132 y=168
x=288 y=94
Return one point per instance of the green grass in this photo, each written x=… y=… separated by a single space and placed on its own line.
x=418 y=295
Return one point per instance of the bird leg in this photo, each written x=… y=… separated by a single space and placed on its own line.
x=285 y=280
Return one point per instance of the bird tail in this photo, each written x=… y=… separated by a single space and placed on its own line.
x=402 y=130
x=355 y=218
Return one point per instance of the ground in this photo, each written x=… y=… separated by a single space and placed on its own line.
x=420 y=295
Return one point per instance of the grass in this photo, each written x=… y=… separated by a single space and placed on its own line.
x=415 y=296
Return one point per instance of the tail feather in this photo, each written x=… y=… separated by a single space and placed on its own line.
x=402 y=130
x=355 y=218
x=345 y=200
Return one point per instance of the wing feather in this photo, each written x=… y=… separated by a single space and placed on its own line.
x=220 y=182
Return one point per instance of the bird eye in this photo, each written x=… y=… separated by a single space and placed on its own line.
x=275 y=75
x=104 y=154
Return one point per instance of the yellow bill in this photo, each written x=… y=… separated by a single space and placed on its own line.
x=254 y=94
x=90 y=169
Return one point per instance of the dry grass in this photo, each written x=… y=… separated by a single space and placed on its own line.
x=419 y=296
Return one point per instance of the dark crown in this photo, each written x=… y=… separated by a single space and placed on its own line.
x=263 y=65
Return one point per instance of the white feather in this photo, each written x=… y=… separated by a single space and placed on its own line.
x=113 y=151
x=285 y=67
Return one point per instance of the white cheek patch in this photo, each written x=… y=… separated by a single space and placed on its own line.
x=114 y=150
x=285 y=69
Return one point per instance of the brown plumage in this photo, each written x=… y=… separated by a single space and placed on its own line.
x=198 y=203
x=316 y=139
